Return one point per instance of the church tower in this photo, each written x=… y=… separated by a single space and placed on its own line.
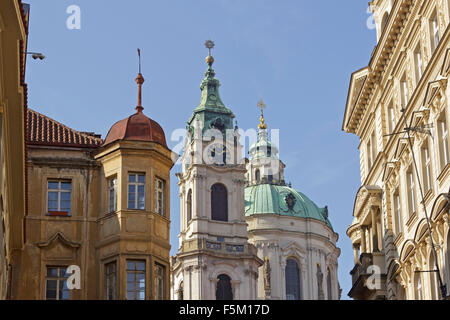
x=215 y=260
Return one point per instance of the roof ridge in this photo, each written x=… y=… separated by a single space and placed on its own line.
x=53 y=121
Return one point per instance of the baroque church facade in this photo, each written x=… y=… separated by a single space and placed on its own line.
x=245 y=234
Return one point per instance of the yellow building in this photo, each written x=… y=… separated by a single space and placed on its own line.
x=13 y=92
x=98 y=207
x=398 y=106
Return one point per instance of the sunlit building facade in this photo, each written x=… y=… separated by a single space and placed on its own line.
x=405 y=173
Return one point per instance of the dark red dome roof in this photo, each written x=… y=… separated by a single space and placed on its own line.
x=137 y=127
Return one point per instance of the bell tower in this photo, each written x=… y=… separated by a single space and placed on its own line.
x=215 y=259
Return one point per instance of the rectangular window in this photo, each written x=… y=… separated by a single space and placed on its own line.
x=426 y=168
x=404 y=92
x=443 y=141
x=111 y=281
x=59 y=197
x=411 y=192
x=369 y=154
x=135 y=280
x=398 y=213
x=160 y=196
x=136 y=191
x=434 y=26
x=56 y=284
x=160 y=272
x=391 y=118
x=112 y=195
x=418 y=63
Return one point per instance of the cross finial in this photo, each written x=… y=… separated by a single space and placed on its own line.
x=209 y=45
x=262 y=106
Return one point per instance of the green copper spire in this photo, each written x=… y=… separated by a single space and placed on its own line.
x=211 y=111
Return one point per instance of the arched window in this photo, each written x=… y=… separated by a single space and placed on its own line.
x=189 y=206
x=257 y=175
x=329 y=292
x=219 y=202
x=418 y=287
x=434 y=282
x=292 y=276
x=224 y=290
x=384 y=21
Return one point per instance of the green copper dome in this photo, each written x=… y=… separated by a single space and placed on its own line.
x=282 y=200
x=211 y=112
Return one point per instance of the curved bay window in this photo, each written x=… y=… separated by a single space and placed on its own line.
x=189 y=206
x=224 y=290
x=219 y=202
x=292 y=276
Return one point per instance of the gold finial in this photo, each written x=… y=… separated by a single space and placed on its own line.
x=262 y=106
x=209 y=45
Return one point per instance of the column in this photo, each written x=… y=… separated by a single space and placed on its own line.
x=363 y=240
x=373 y=213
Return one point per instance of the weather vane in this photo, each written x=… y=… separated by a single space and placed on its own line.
x=209 y=45
x=139 y=54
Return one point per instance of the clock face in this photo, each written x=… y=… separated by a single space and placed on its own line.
x=218 y=154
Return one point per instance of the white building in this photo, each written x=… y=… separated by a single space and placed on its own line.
x=292 y=235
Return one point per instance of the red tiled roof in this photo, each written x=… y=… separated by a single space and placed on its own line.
x=42 y=130
x=137 y=127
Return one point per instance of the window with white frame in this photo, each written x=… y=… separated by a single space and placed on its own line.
x=160 y=284
x=398 y=213
x=404 y=91
x=160 y=196
x=112 y=195
x=59 y=197
x=411 y=192
x=434 y=26
x=391 y=118
x=443 y=141
x=426 y=168
x=418 y=63
x=136 y=191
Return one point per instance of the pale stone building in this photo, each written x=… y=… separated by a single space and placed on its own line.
x=405 y=85
x=292 y=234
x=13 y=101
x=215 y=259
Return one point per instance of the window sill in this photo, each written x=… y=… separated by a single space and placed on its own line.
x=444 y=174
x=411 y=220
x=58 y=214
x=429 y=195
x=398 y=239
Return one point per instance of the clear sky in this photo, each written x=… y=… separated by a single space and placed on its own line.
x=297 y=55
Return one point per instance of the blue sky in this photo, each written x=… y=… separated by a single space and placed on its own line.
x=297 y=55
